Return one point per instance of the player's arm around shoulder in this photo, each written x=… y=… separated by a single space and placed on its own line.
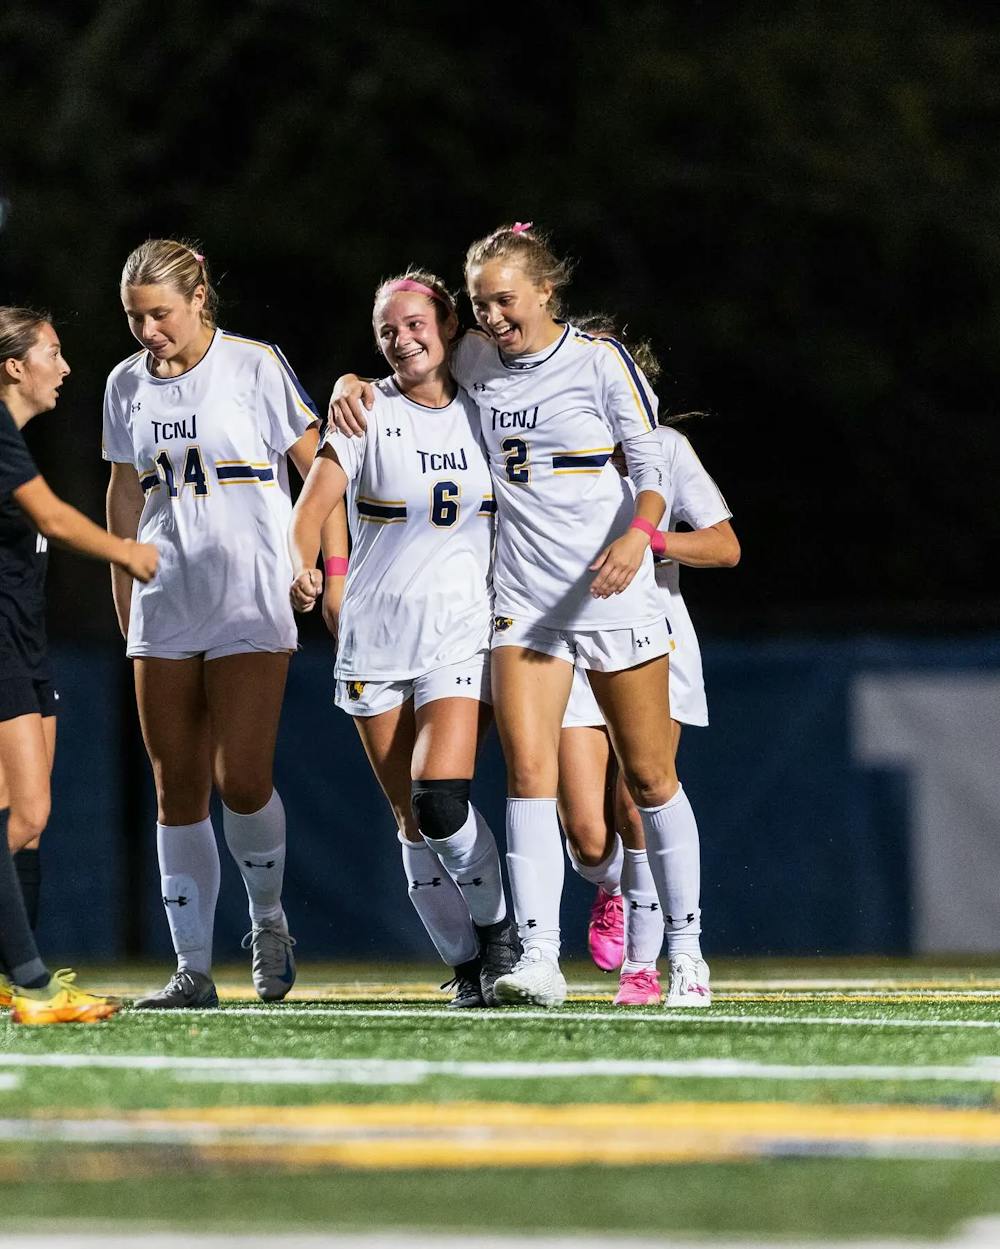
x=324 y=488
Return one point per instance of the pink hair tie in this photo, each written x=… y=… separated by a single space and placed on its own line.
x=336 y=566
x=199 y=257
x=408 y=284
x=519 y=227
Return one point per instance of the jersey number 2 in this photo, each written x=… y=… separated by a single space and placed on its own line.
x=516 y=464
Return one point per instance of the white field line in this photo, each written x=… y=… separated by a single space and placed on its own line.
x=980 y=1234
x=562 y=1015
x=413 y=1071
x=10 y=1080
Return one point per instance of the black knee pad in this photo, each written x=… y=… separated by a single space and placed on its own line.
x=440 y=807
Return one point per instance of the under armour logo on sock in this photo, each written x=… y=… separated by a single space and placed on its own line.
x=688 y=919
x=180 y=901
x=419 y=884
x=476 y=880
x=250 y=863
x=643 y=906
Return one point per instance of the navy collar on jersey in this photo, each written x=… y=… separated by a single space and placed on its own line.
x=519 y=363
x=165 y=381
x=424 y=407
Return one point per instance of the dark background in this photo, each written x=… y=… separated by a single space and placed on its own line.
x=797 y=204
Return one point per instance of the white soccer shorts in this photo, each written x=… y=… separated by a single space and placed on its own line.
x=470 y=678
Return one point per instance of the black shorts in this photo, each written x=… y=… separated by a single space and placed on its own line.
x=21 y=694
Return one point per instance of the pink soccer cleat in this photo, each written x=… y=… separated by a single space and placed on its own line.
x=606 y=931
x=638 y=988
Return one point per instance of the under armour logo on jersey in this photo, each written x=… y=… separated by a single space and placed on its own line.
x=137 y=406
x=467 y=680
x=250 y=863
x=479 y=386
x=181 y=900
x=688 y=919
x=389 y=432
x=644 y=906
x=476 y=880
x=421 y=884
x=641 y=642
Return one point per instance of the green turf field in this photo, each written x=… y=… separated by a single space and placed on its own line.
x=810 y=1099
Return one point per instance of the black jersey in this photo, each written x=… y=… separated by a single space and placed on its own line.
x=22 y=561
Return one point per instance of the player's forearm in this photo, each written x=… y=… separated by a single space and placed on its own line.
x=714 y=547
x=67 y=527
x=650 y=506
x=123 y=513
x=304 y=536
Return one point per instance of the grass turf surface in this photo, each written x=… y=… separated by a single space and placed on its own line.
x=816 y=1126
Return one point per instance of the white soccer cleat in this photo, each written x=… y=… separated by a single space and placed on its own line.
x=689 y=985
x=273 y=964
x=534 y=981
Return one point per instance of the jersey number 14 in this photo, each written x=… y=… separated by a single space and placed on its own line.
x=193 y=473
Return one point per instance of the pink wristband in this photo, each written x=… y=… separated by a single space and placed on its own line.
x=658 y=543
x=644 y=525
x=336 y=566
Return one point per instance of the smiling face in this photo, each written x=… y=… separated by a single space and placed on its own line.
x=413 y=340
x=510 y=307
x=40 y=373
x=164 y=321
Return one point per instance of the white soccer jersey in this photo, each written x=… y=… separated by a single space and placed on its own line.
x=420 y=507
x=696 y=500
x=209 y=447
x=550 y=422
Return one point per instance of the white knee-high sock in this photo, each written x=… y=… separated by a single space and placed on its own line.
x=439 y=903
x=257 y=843
x=607 y=874
x=189 y=885
x=470 y=857
x=536 y=867
x=675 y=860
x=643 y=916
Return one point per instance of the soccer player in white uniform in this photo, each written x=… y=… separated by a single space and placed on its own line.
x=413 y=620
x=198 y=427
x=573 y=573
x=594 y=847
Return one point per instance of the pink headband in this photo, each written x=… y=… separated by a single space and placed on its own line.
x=520 y=227
x=408 y=284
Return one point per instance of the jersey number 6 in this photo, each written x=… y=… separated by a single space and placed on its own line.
x=445 y=503
x=516 y=464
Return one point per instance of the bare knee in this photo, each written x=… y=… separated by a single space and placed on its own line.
x=180 y=798
x=244 y=796
x=27 y=823
x=588 y=838
x=651 y=785
x=531 y=777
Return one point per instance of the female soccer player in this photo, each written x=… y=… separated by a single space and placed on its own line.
x=32 y=369
x=414 y=622
x=198 y=427
x=573 y=575
x=595 y=849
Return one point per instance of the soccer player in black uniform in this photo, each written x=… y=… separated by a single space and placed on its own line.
x=32 y=369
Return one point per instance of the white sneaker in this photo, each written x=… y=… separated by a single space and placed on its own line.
x=534 y=980
x=688 y=982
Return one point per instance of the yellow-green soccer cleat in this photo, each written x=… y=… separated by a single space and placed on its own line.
x=60 y=1002
x=6 y=992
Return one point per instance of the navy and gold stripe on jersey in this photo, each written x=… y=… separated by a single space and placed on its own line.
x=591 y=460
x=149 y=481
x=242 y=472
x=380 y=511
x=629 y=365
x=488 y=507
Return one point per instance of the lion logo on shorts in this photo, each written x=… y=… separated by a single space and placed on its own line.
x=502 y=623
x=355 y=689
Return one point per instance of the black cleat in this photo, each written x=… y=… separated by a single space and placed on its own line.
x=465 y=982
x=499 y=950
x=185 y=989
